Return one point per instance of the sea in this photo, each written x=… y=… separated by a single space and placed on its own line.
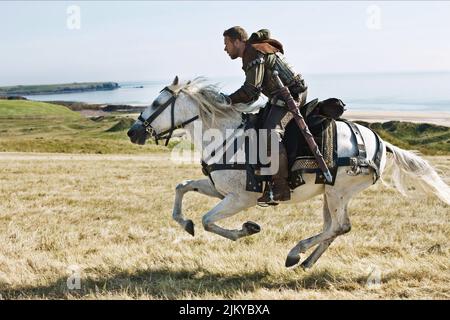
x=420 y=92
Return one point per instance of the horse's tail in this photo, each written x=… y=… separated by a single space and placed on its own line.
x=408 y=166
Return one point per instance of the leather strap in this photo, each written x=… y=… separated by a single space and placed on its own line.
x=362 y=154
x=361 y=158
x=167 y=134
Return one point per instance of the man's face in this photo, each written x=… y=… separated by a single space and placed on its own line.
x=231 y=47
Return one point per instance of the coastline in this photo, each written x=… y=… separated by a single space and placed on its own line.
x=433 y=117
x=62 y=88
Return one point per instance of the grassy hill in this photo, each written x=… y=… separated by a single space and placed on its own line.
x=428 y=138
x=15 y=109
x=29 y=126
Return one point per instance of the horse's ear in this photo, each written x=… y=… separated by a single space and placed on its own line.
x=175 y=81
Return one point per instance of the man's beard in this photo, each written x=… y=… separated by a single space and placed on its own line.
x=233 y=55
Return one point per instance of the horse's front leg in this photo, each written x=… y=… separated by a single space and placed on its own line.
x=203 y=186
x=228 y=207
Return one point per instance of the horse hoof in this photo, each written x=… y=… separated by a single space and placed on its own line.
x=251 y=227
x=189 y=227
x=291 y=261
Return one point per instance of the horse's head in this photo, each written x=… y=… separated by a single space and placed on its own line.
x=160 y=119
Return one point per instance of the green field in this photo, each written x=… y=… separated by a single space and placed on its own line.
x=29 y=126
x=15 y=109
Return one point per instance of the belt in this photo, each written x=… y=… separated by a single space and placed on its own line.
x=277 y=102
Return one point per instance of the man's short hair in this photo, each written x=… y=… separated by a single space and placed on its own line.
x=236 y=33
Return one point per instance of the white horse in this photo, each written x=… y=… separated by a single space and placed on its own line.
x=178 y=105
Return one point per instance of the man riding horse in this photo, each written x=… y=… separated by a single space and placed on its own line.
x=261 y=56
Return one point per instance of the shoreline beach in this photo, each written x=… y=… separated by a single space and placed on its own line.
x=438 y=118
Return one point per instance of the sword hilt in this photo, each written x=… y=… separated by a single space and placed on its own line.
x=285 y=94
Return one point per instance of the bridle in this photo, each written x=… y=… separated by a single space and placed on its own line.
x=167 y=134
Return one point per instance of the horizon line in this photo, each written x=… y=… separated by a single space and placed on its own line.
x=403 y=72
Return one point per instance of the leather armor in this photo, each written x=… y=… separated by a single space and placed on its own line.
x=259 y=61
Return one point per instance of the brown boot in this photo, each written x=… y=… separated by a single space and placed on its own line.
x=278 y=188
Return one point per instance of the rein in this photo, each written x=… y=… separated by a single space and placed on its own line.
x=167 y=134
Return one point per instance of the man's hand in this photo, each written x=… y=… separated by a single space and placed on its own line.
x=225 y=98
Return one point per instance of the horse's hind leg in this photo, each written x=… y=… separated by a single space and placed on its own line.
x=228 y=207
x=203 y=186
x=336 y=222
x=317 y=253
x=322 y=247
x=337 y=198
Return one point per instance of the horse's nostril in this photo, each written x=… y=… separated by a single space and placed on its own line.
x=130 y=133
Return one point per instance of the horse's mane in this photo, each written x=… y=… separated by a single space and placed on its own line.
x=211 y=102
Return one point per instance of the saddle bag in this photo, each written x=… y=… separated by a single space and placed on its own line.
x=331 y=108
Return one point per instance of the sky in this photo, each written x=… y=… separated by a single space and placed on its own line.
x=43 y=42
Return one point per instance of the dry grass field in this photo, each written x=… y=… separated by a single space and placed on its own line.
x=107 y=220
